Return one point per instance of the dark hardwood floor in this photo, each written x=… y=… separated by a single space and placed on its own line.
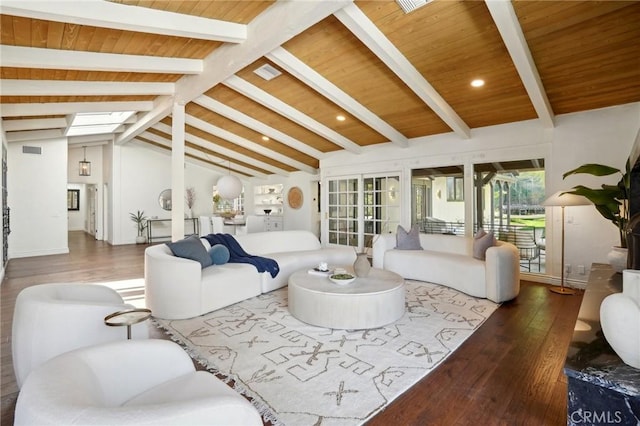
x=508 y=372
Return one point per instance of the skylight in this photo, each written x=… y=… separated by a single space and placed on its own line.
x=97 y=123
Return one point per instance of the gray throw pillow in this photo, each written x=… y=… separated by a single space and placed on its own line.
x=191 y=248
x=408 y=240
x=481 y=242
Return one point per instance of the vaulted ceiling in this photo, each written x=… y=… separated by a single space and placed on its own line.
x=391 y=75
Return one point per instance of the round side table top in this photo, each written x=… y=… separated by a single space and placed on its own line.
x=127 y=317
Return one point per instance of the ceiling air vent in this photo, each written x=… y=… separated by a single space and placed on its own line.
x=267 y=72
x=411 y=5
x=31 y=149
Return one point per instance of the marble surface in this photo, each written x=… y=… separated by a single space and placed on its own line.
x=599 y=382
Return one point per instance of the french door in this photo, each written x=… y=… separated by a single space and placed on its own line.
x=361 y=206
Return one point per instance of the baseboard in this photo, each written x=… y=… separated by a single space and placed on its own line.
x=34 y=253
x=548 y=279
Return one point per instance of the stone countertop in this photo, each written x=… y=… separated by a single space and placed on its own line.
x=590 y=358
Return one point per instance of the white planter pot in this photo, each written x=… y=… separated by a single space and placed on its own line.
x=141 y=239
x=617 y=258
x=620 y=319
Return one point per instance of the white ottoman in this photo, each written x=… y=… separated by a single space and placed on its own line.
x=371 y=302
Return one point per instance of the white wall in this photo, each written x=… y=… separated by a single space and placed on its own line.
x=138 y=176
x=37 y=196
x=603 y=136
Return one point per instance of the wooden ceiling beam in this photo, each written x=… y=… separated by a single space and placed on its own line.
x=60 y=108
x=256 y=125
x=316 y=81
x=90 y=140
x=34 y=124
x=229 y=59
x=105 y=14
x=292 y=17
x=82 y=88
x=206 y=144
x=32 y=57
x=511 y=32
x=207 y=156
x=34 y=135
x=240 y=141
x=366 y=31
x=265 y=99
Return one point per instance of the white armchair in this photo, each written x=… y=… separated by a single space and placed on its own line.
x=133 y=382
x=50 y=319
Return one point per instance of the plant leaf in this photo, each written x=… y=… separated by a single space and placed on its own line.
x=593 y=169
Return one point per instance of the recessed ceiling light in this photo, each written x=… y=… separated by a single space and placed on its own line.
x=265 y=138
x=341 y=117
x=477 y=83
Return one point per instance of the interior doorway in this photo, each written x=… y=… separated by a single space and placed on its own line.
x=92 y=211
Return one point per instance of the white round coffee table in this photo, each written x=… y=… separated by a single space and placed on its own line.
x=370 y=302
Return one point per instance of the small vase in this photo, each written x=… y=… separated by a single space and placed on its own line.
x=361 y=266
x=617 y=258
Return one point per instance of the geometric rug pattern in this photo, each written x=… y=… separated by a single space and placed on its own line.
x=299 y=374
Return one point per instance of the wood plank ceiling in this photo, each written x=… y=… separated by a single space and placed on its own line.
x=393 y=76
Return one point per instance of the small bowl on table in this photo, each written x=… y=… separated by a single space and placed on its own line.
x=267 y=211
x=342 y=279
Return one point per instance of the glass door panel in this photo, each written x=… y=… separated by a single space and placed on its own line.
x=343 y=211
x=360 y=207
x=381 y=207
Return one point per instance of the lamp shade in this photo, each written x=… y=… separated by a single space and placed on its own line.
x=229 y=187
x=563 y=199
x=84 y=165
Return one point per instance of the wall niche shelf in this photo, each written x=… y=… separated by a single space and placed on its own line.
x=268 y=197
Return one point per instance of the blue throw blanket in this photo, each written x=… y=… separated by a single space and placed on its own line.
x=238 y=255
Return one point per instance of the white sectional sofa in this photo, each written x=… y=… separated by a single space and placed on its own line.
x=448 y=260
x=178 y=288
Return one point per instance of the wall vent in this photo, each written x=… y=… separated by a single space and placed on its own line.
x=411 y=5
x=31 y=149
x=267 y=72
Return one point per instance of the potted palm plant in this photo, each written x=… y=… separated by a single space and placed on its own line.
x=141 y=223
x=611 y=201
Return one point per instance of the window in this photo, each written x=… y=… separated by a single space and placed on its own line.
x=437 y=199
x=455 y=188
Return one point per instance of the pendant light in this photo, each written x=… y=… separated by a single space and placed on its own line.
x=229 y=187
x=85 y=166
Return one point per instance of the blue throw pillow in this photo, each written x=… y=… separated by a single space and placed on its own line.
x=191 y=248
x=219 y=254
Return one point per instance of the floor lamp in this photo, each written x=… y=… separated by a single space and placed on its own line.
x=562 y=199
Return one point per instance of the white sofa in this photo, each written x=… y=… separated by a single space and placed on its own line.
x=178 y=288
x=448 y=260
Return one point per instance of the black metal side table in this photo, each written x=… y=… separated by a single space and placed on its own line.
x=127 y=317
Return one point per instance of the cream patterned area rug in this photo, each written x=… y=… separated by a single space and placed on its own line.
x=298 y=374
